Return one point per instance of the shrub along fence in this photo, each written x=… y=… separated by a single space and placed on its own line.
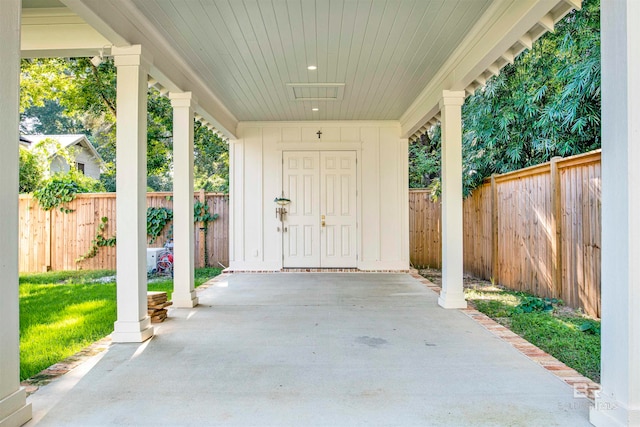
x=535 y=230
x=54 y=240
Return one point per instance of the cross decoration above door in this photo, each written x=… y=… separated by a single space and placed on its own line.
x=319 y=133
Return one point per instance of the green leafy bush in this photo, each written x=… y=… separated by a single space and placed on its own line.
x=590 y=327
x=30 y=171
x=535 y=304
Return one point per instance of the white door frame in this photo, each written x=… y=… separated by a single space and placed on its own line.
x=329 y=146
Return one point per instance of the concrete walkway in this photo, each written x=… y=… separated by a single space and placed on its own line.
x=312 y=350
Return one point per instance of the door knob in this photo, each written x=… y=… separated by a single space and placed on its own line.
x=323 y=224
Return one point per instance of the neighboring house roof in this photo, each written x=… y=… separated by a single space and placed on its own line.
x=65 y=141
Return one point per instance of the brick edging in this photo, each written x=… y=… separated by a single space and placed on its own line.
x=56 y=370
x=580 y=383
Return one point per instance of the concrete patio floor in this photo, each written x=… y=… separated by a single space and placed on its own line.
x=312 y=349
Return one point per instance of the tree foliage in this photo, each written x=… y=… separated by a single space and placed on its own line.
x=71 y=95
x=35 y=163
x=30 y=171
x=211 y=160
x=546 y=104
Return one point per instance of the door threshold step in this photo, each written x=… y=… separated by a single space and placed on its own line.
x=313 y=270
x=320 y=270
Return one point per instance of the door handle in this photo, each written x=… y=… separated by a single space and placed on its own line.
x=323 y=223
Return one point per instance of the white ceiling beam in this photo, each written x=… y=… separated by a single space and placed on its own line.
x=493 y=69
x=508 y=56
x=526 y=41
x=548 y=23
x=537 y=32
x=574 y=4
x=471 y=89
x=82 y=10
x=58 y=32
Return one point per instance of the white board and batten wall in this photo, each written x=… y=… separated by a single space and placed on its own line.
x=355 y=174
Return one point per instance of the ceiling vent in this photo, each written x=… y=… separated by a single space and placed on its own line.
x=315 y=91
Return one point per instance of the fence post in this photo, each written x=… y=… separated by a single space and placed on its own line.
x=494 y=231
x=47 y=242
x=201 y=235
x=556 y=226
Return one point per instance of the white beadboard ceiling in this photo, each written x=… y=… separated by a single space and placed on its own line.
x=246 y=60
x=254 y=54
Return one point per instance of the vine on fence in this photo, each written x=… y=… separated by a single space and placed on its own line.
x=99 y=241
x=60 y=189
x=157 y=219
x=63 y=187
x=201 y=213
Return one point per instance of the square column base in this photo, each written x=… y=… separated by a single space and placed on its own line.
x=451 y=301
x=609 y=412
x=132 y=331
x=14 y=410
x=188 y=300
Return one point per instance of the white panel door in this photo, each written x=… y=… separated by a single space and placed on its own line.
x=338 y=209
x=321 y=220
x=301 y=184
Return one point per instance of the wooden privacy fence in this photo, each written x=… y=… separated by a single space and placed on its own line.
x=535 y=230
x=53 y=240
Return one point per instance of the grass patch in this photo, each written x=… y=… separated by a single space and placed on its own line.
x=566 y=334
x=62 y=312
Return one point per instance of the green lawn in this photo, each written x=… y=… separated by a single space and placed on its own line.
x=63 y=312
x=564 y=333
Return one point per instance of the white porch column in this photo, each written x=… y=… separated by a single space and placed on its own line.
x=184 y=294
x=133 y=324
x=14 y=410
x=619 y=400
x=452 y=295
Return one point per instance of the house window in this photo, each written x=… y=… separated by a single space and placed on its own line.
x=80 y=167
